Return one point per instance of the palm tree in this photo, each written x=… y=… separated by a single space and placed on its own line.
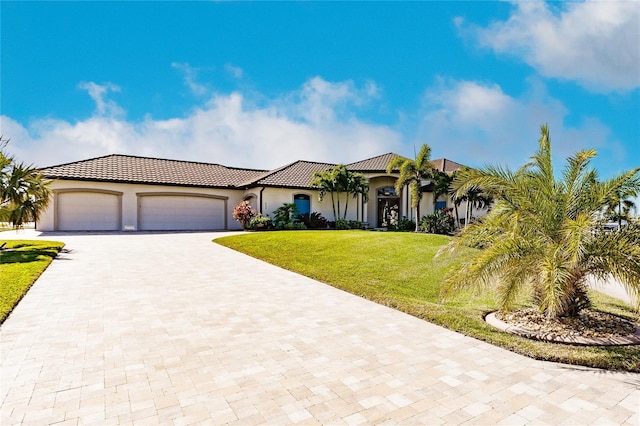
x=356 y=184
x=24 y=193
x=413 y=173
x=543 y=233
x=340 y=180
x=619 y=206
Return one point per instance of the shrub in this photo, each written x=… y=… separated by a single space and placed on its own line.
x=438 y=222
x=312 y=221
x=404 y=225
x=284 y=215
x=243 y=213
x=355 y=224
x=342 y=224
x=261 y=222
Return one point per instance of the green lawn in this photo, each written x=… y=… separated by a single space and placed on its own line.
x=21 y=267
x=399 y=270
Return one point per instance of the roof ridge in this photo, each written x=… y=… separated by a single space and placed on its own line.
x=141 y=157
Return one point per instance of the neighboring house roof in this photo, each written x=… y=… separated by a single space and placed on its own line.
x=156 y=171
x=131 y=169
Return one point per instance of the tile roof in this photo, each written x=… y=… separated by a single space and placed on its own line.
x=297 y=175
x=447 y=166
x=131 y=169
x=374 y=164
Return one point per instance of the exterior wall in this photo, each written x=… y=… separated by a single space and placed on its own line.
x=130 y=200
x=272 y=198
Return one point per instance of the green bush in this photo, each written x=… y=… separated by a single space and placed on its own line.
x=404 y=225
x=342 y=224
x=284 y=215
x=438 y=222
x=312 y=221
x=261 y=222
x=355 y=224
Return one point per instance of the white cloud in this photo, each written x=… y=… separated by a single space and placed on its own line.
x=190 y=77
x=98 y=93
x=595 y=43
x=228 y=129
x=479 y=124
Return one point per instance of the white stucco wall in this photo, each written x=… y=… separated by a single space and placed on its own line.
x=130 y=200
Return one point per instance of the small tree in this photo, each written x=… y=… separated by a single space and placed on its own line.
x=543 y=233
x=243 y=213
x=24 y=192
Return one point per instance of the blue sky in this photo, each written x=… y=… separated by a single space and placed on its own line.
x=261 y=85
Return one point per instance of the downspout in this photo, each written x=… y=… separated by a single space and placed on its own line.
x=263 y=188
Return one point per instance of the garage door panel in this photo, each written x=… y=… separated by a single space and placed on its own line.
x=180 y=213
x=88 y=211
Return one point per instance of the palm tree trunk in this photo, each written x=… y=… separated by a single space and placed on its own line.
x=333 y=205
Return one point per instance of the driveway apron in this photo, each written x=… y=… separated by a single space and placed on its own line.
x=134 y=328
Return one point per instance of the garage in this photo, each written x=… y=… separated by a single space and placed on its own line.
x=184 y=212
x=88 y=211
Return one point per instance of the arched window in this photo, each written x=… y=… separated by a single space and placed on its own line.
x=303 y=203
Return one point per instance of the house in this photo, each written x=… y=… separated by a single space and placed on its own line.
x=123 y=192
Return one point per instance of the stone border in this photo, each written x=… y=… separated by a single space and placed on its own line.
x=631 y=339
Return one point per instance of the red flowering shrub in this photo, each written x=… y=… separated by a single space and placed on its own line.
x=243 y=213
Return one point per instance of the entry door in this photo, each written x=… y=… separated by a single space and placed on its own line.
x=388 y=211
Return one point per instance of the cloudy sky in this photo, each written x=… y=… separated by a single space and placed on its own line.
x=261 y=85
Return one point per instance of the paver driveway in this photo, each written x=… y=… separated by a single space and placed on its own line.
x=172 y=329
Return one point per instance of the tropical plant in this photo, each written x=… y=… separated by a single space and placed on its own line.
x=413 y=173
x=474 y=197
x=337 y=181
x=543 y=233
x=261 y=222
x=438 y=222
x=284 y=214
x=620 y=206
x=342 y=224
x=315 y=220
x=24 y=192
x=403 y=225
x=243 y=213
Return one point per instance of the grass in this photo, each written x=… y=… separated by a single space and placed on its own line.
x=399 y=270
x=20 y=267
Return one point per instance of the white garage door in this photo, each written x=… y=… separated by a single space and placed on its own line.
x=88 y=211
x=180 y=213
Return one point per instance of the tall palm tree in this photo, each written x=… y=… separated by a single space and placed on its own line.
x=356 y=184
x=544 y=234
x=24 y=193
x=412 y=173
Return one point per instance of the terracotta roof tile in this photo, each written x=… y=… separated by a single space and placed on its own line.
x=447 y=166
x=374 y=164
x=131 y=169
x=297 y=175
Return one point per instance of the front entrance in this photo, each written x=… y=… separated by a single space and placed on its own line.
x=388 y=207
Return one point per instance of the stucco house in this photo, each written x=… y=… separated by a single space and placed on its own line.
x=123 y=192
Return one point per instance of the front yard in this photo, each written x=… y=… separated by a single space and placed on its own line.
x=399 y=270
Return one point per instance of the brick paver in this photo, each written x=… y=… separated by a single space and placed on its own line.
x=172 y=329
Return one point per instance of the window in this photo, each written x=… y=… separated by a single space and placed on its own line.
x=303 y=203
x=387 y=192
